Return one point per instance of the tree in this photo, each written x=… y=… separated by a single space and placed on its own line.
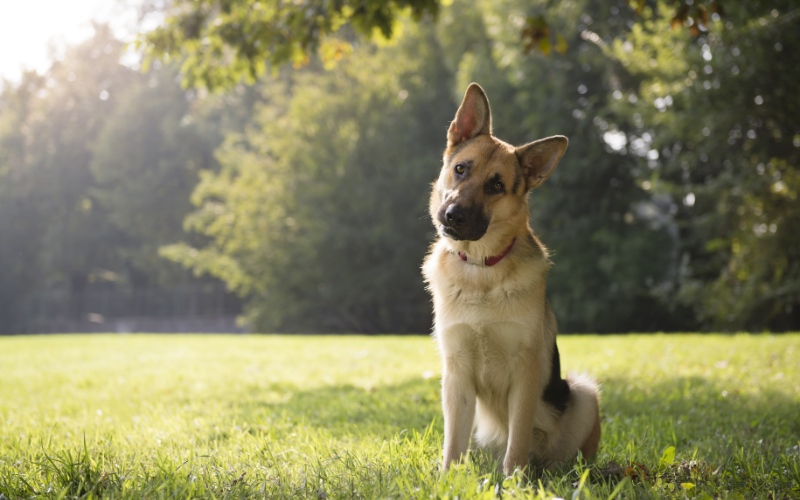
x=50 y=227
x=222 y=41
x=146 y=161
x=717 y=116
x=608 y=254
x=318 y=236
x=318 y=214
x=97 y=161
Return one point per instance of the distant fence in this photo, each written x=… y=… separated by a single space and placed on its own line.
x=202 y=309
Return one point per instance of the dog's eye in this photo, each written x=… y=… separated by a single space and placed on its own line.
x=497 y=186
x=460 y=168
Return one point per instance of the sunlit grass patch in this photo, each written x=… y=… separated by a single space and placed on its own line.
x=359 y=417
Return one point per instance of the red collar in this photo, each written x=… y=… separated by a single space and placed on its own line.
x=490 y=261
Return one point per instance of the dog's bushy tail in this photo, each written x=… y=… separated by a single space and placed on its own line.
x=579 y=428
x=587 y=397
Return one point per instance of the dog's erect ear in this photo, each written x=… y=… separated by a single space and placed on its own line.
x=473 y=117
x=538 y=159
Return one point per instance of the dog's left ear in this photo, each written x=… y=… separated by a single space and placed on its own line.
x=539 y=158
x=474 y=117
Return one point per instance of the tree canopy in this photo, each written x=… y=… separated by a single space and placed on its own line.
x=221 y=42
x=718 y=117
x=630 y=213
x=305 y=190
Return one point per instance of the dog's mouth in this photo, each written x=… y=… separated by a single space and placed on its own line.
x=468 y=234
x=450 y=232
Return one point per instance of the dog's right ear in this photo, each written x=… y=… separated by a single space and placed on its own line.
x=473 y=117
x=538 y=159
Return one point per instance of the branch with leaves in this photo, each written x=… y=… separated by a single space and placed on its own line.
x=696 y=17
x=222 y=42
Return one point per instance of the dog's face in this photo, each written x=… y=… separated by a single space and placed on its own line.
x=484 y=181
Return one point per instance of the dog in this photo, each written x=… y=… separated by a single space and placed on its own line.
x=496 y=332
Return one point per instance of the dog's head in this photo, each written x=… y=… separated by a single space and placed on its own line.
x=482 y=188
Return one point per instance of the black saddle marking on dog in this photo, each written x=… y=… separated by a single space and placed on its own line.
x=557 y=391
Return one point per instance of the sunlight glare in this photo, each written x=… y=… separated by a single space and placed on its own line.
x=33 y=32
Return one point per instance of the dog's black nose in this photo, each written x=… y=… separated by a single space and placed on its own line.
x=454 y=215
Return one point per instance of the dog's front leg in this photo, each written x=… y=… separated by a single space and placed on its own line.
x=458 y=402
x=522 y=402
x=458 y=392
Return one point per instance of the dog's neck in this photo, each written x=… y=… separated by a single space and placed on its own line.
x=487 y=261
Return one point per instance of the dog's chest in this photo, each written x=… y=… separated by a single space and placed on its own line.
x=481 y=306
x=494 y=352
x=500 y=353
x=479 y=299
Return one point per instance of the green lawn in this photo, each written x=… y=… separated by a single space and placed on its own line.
x=142 y=416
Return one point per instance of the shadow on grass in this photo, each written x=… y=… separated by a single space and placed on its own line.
x=684 y=412
x=345 y=409
x=697 y=412
x=747 y=437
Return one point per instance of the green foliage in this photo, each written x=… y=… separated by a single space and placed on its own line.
x=675 y=206
x=606 y=259
x=318 y=214
x=97 y=162
x=222 y=41
x=359 y=417
x=718 y=115
x=145 y=163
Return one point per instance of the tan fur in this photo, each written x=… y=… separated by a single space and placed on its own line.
x=592 y=443
x=494 y=326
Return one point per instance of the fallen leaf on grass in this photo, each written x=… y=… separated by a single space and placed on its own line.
x=676 y=473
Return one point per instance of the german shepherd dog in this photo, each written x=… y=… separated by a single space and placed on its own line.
x=496 y=332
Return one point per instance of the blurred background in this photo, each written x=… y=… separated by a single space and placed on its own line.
x=233 y=165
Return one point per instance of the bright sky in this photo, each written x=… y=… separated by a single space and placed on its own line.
x=30 y=29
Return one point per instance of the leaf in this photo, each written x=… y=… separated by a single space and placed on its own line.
x=545 y=46
x=680 y=17
x=535 y=34
x=618 y=489
x=716 y=8
x=702 y=15
x=716 y=244
x=668 y=457
x=688 y=486
x=561 y=44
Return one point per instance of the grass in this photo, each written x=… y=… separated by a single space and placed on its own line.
x=139 y=416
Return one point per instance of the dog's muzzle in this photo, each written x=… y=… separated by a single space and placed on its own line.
x=462 y=223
